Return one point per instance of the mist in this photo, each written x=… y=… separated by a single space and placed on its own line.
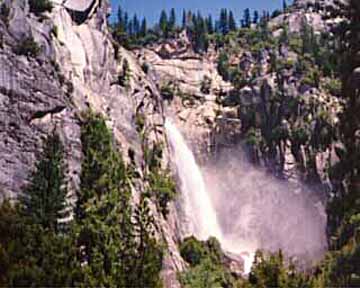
x=257 y=211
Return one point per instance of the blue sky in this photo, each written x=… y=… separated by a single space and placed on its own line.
x=151 y=8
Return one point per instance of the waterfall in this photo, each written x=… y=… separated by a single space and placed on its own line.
x=246 y=209
x=199 y=211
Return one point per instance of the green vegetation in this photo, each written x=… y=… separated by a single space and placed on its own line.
x=206 y=264
x=44 y=199
x=105 y=243
x=206 y=85
x=40 y=6
x=168 y=91
x=125 y=74
x=272 y=271
x=28 y=47
x=161 y=184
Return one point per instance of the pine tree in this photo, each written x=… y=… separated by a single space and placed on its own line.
x=232 y=23
x=210 y=25
x=136 y=25
x=247 y=18
x=224 y=22
x=103 y=213
x=143 y=28
x=120 y=16
x=44 y=198
x=256 y=17
x=163 y=23
x=172 y=20
x=184 y=19
x=147 y=264
x=118 y=248
x=284 y=5
x=126 y=22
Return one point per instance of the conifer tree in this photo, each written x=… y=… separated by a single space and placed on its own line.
x=232 y=23
x=163 y=23
x=256 y=17
x=103 y=212
x=143 y=28
x=210 y=25
x=284 y=5
x=247 y=18
x=183 y=19
x=223 y=22
x=172 y=20
x=126 y=22
x=44 y=198
x=136 y=25
x=120 y=16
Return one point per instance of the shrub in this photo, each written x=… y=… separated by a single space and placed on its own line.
x=55 y=31
x=164 y=188
x=167 y=92
x=312 y=78
x=124 y=77
x=27 y=47
x=145 y=67
x=205 y=259
x=192 y=250
x=272 y=271
x=333 y=86
x=206 y=85
x=40 y=6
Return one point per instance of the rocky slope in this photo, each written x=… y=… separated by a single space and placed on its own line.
x=78 y=67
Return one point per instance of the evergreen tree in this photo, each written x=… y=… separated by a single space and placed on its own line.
x=256 y=17
x=232 y=23
x=143 y=28
x=148 y=251
x=120 y=16
x=136 y=25
x=44 y=198
x=284 y=5
x=172 y=20
x=163 y=23
x=189 y=19
x=210 y=25
x=184 y=19
x=103 y=213
x=117 y=249
x=199 y=37
x=223 y=22
x=247 y=18
x=126 y=22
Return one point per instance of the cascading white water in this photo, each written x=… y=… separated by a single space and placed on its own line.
x=199 y=209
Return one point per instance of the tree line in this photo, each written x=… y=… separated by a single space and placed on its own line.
x=131 y=30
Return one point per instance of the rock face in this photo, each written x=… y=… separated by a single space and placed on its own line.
x=75 y=69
